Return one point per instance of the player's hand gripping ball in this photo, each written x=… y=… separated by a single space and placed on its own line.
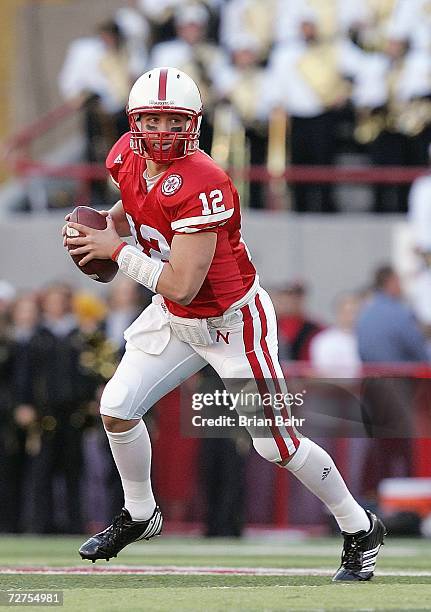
x=102 y=270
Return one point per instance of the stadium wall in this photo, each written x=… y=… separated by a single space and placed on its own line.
x=330 y=253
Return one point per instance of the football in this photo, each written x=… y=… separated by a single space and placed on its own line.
x=101 y=270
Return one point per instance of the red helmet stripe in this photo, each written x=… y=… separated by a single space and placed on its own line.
x=162 y=83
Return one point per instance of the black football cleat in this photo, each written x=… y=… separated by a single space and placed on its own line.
x=360 y=551
x=122 y=532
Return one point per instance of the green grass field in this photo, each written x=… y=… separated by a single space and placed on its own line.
x=176 y=575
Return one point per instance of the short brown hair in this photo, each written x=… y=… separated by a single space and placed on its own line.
x=382 y=275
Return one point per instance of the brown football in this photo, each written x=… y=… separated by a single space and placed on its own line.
x=102 y=270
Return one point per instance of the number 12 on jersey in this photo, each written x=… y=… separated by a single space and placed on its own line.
x=214 y=205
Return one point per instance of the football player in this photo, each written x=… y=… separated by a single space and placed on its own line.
x=183 y=212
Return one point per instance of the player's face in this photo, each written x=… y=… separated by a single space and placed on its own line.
x=162 y=122
x=164 y=134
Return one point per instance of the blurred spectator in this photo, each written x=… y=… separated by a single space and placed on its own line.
x=125 y=302
x=58 y=387
x=22 y=434
x=412 y=18
x=6 y=404
x=233 y=85
x=420 y=223
x=388 y=333
x=7 y=450
x=98 y=66
x=136 y=31
x=89 y=311
x=191 y=52
x=334 y=351
x=249 y=18
x=161 y=15
x=420 y=213
x=387 y=329
x=296 y=328
x=25 y=319
x=96 y=75
x=335 y=18
x=308 y=78
x=372 y=22
x=332 y=409
x=7 y=295
x=99 y=357
x=223 y=462
x=393 y=101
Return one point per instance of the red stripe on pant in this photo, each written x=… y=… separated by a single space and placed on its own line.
x=270 y=364
x=248 y=337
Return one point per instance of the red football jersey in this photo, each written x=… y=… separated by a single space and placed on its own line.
x=193 y=195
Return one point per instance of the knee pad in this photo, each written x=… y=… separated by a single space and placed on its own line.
x=267 y=448
x=120 y=397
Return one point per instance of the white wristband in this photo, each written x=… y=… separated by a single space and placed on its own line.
x=139 y=266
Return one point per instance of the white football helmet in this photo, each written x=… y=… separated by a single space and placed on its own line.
x=164 y=90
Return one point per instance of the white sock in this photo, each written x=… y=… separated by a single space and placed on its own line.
x=132 y=455
x=317 y=471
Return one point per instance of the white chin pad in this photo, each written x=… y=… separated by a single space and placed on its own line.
x=71 y=232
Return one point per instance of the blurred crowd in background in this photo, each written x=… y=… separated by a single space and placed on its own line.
x=58 y=347
x=306 y=82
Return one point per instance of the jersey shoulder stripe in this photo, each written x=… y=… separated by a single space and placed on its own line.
x=201 y=220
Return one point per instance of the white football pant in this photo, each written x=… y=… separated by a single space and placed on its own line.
x=244 y=346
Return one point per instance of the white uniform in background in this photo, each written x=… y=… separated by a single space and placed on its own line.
x=136 y=30
x=250 y=17
x=159 y=10
x=156 y=10
x=412 y=19
x=334 y=17
x=289 y=85
x=202 y=60
x=84 y=72
x=235 y=83
x=420 y=212
x=372 y=86
x=420 y=223
x=178 y=53
x=334 y=353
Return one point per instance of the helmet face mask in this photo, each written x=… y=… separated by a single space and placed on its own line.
x=163 y=146
x=164 y=91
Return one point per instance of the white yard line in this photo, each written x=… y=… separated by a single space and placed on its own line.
x=238 y=550
x=170 y=570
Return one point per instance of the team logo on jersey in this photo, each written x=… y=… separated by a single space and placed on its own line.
x=118 y=159
x=171 y=184
x=224 y=336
